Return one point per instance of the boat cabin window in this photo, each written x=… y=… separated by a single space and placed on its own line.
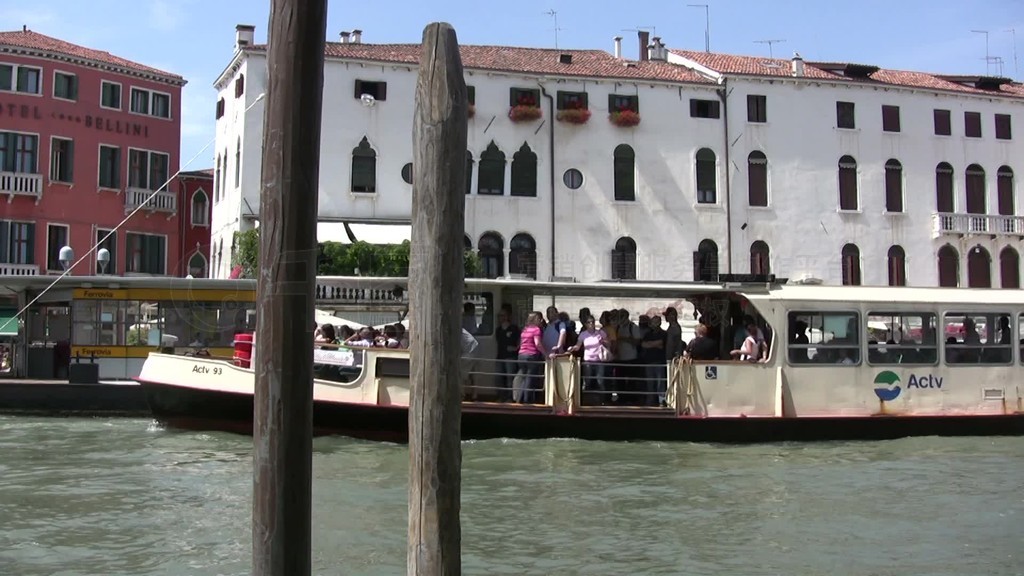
x=818 y=337
x=901 y=338
x=977 y=338
x=478 y=313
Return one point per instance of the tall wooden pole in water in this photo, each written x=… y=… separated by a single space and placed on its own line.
x=435 y=299
x=283 y=412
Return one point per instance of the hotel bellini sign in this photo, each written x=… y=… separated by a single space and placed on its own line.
x=99 y=123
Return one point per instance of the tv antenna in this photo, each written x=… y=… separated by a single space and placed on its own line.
x=988 y=59
x=1013 y=36
x=769 y=43
x=554 y=16
x=707 y=24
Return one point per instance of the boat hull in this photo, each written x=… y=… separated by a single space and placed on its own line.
x=203 y=409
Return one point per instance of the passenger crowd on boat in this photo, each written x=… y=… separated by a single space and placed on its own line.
x=328 y=336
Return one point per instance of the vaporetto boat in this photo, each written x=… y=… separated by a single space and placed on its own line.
x=837 y=363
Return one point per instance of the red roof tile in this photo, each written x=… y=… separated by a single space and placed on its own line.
x=36 y=41
x=749 y=65
x=585 y=63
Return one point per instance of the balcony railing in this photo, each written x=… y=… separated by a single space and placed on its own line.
x=21 y=184
x=948 y=223
x=164 y=201
x=19 y=270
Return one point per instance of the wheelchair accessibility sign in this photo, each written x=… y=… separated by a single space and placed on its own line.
x=711 y=373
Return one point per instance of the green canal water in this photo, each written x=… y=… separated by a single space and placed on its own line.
x=125 y=497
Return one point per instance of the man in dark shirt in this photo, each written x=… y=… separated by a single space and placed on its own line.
x=507 y=339
x=702 y=347
x=652 y=353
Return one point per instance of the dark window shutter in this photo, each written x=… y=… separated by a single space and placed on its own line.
x=5 y=239
x=359 y=89
x=31 y=244
x=382 y=91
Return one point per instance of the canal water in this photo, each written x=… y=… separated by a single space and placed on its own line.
x=125 y=497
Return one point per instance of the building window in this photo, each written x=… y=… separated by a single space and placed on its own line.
x=972 y=124
x=17 y=242
x=943 y=125
x=471 y=95
x=110 y=167
x=150 y=103
x=757 y=179
x=975 y=189
x=705 y=108
x=216 y=181
x=62 y=160
x=1004 y=191
x=622 y=103
x=110 y=243
x=707 y=177
x=378 y=90
x=571 y=101
x=572 y=178
x=897 y=260
x=760 y=258
x=624 y=259
x=239 y=85
x=364 y=167
x=524 y=172
x=979 y=268
x=890 y=118
x=893 y=186
x=1009 y=268
x=65 y=86
x=220 y=109
x=851 y=265
x=200 y=208
x=19 y=153
x=407 y=174
x=845 y=115
x=945 y=200
x=147 y=170
x=56 y=238
x=522 y=256
x=238 y=163
x=146 y=254
x=491 y=250
x=757 y=108
x=1003 y=131
x=847 y=183
x=197 y=265
x=705 y=261
x=469 y=172
x=18 y=78
x=491 y=172
x=523 y=97
x=624 y=169
x=110 y=95
x=949 y=267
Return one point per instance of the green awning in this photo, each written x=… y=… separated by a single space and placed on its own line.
x=8 y=322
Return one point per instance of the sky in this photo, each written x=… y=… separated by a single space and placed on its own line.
x=195 y=38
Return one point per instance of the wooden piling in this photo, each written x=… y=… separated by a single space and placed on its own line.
x=283 y=410
x=435 y=301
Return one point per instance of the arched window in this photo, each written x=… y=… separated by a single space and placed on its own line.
x=1004 y=189
x=893 y=186
x=624 y=259
x=851 y=265
x=197 y=265
x=216 y=181
x=847 y=183
x=757 y=179
x=491 y=250
x=467 y=244
x=949 y=267
x=469 y=172
x=759 y=258
x=979 y=268
x=945 y=200
x=491 y=172
x=524 y=172
x=705 y=261
x=364 y=167
x=897 y=266
x=238 y=163
x=200 y=208
x=1009 y=268
x=624 y=166
x=975 y=189
x=522 y=256
x=707 y=177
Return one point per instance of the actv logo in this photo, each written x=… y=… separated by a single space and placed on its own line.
x=887 y=385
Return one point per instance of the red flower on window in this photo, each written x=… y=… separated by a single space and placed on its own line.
x=624 y=117
x=524 y=113
x=574 y=115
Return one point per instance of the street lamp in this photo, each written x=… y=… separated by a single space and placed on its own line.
x=66 y=257
x=103 y=258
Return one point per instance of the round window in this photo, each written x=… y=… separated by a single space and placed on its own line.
x=572 y=178
x=407 y=173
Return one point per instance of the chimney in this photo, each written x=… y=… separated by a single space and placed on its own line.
x=344 y=37
x=244 y=35
x=618 y=47
x=644 y=37
x=357 y=36
x=657 y=49
x=798 y=65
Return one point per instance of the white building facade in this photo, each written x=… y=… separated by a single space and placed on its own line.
x=732 y=168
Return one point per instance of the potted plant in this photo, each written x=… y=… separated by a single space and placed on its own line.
x=624 y=118
x=525 y=109
x=574 y=115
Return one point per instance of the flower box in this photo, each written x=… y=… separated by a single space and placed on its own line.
x=524 y=113
x=574 y=116
x=624 y=118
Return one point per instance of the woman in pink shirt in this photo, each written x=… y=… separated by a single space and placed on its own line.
x=531 y=358
x=596 y=350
